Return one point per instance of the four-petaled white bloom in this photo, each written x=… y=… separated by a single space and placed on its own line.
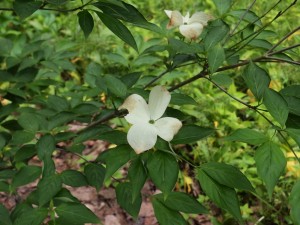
x=146 y=119
x=189 y=27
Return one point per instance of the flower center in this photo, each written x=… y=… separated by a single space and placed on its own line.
x=151 y=121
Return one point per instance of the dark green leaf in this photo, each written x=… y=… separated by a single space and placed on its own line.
x=227 y=175
x=166 y=216
x=217 y=30
x=58 y=103
x=32 y=217
x=191 y=133
x=180 y=201
x=26 y=8
x=25 y=175
x=294 y=200
x=4 y=187
x=270 y=163
x=90 y=133
x=28 y=121
x=124 y=198
x=86 y=22
x=126 y=12
x=130 y=79
x=246 y=15
x=48 y=187
x=215 y=57
x=137 y=174
x=73 y=213
x=295 y=134
x=118 y=29
x=94 y=174
x=45 y=146
x=247 y=135
x=73 y=178
x=20 y=137
x=115 y=158
x=276 y=106
x=163 y=170
x=256 y=79
x=57 y=2
x=4 y=215
x=223 y=5
x=115 y=136
x=25 y=152
x=223 y=196
x=48 y=166
x=182 y=99
x=182 y=47
x=116 y=86
x=292 y=95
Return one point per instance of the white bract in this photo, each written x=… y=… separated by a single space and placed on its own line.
x=189 y=27
x=146 y=119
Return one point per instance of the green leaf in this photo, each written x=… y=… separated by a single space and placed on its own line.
x=94 y=174
x=20 y=137
x=57 y=103
x=276 y=106
x=295 y=134
x=90 y=133
x=137 y=175
x=124 y=198
x=115 y=158
x=115 y=136
x=4 y=215
x=222 y=79
x=127 y=13
x=166 y=216
x=73 y=178
x=223 y=5
x=25 y=8
x=25 y=175
x=182 y=99
x=73 y=213
x=257 y=80
x=270 y=163
x=116 y=86
x=180 y=46
x=86 y=22
x=180 y=201
x=32 y=217
x=224 y=197
x=294 y=200
x=48 y=187
x=24 y=153
x=247 y=135
x=45 y=146
x=28 y=121
x=48 y=167
x=57 y=2
x=118 y=29
x=163 y=170
x=4 y=187
x=217 y=30
x=246 y=15
x=292 y=96
x=215 y=57
x=227 y=175
x=191 y=133
x=130 y=79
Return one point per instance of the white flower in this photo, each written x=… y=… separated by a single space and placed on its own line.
x=146 y=119
x=189 y=27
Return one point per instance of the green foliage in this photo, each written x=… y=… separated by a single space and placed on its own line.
x=60 y=89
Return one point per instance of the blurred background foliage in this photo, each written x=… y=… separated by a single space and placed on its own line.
x=53 y=43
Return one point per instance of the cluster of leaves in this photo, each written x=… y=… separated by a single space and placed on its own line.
x=40 y=96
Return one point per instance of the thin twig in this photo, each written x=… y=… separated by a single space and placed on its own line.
x=158 y=77
x=282 y=39
x=284 y=60
x=283 y=50
x=239 y=22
